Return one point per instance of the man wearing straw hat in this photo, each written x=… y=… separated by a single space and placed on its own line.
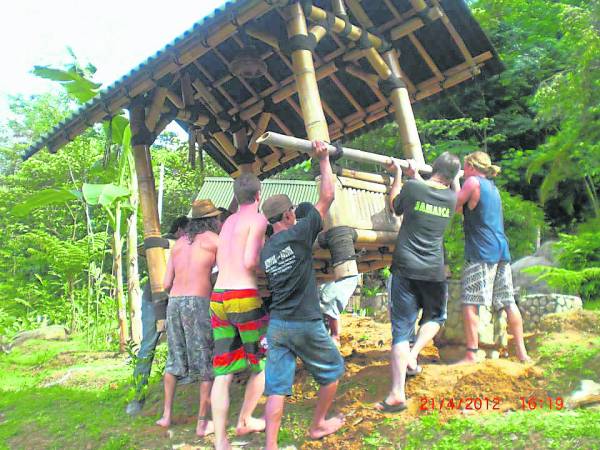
x=296 y=327
x=189 y=334
x=419 y=279
x=487 y=278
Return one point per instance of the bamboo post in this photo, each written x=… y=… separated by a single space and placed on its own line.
x=411 y=144
x=141 y=139
x=312 y=110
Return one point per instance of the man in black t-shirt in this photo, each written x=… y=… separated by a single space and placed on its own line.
x=296 y=327
x=418 y=280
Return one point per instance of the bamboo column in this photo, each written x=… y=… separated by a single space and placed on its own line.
x=141 y=139
x=312 y=109
x=411 y=144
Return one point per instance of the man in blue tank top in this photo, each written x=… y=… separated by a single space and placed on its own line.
x=487 y=278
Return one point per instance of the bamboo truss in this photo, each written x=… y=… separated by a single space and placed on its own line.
x=332 y=93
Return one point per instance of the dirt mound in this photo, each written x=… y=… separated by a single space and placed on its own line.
x=450 y=390
x=580 y=320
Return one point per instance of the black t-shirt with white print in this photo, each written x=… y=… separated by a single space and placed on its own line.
x=287 y=261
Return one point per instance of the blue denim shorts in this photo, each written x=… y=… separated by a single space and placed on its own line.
x=308 y=341
x=408 y=296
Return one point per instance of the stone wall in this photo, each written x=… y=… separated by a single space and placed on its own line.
x=492 y=325
x=535 y=306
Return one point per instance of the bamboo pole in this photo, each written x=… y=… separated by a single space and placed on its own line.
x=158 y=100
x=320 y=15
x=366 y=176
x=304 y=72
x=411 y=144
x=310 y=104
x=261 y=127
x=338 y=7
x=155 y=256
x=305 y=146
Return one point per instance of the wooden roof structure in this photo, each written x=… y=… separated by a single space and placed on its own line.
x=322 y=70
x=192 y=79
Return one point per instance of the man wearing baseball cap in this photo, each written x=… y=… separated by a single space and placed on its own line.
x=296 y=327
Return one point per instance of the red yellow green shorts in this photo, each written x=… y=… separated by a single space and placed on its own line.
x=239 y=323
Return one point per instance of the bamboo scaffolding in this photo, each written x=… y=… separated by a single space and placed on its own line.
x=305 y=146
x=155 y=256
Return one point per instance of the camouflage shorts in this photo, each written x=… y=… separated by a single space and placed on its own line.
x=190 y=339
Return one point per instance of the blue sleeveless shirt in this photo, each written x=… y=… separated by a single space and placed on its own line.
x=485 y=240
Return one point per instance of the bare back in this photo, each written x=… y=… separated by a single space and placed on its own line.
x=190 y=265
x=240 y=242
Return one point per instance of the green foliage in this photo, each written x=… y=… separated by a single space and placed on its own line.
x=579 y=263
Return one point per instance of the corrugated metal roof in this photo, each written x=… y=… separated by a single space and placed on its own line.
x=220 y=190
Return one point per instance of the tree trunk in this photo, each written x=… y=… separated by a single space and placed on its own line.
x=118 y=273
x=133 y=276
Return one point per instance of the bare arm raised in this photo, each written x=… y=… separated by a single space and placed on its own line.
x=255 y=242
x=327 y=191
x=469 y=194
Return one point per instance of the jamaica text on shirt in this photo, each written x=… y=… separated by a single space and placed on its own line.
x=432 y=209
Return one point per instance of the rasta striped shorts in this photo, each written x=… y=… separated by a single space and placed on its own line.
x=239 y=323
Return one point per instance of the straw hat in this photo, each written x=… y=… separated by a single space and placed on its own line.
x=202 y=209
x=275 y=205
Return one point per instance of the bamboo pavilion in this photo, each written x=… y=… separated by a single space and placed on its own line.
x=247 y=79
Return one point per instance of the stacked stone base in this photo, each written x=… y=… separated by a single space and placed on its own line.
x=535 y=306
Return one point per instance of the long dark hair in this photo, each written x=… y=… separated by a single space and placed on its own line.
x=198 y=226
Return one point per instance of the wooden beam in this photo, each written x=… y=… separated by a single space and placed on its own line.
x=158 y=100
x=415 y=23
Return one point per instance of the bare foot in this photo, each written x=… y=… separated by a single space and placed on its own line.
x=466 y=360
x=412 y=362
x=252 y=425
x=525 y=359
x=223 y=445
x=205 y=427
x=327 y=427
x=164 y=422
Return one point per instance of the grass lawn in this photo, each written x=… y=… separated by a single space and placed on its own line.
x=62 y=395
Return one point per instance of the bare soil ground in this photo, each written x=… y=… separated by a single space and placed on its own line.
x=365 y=347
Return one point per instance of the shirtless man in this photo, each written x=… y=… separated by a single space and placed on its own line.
x=189 y=334
x=238 y=318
